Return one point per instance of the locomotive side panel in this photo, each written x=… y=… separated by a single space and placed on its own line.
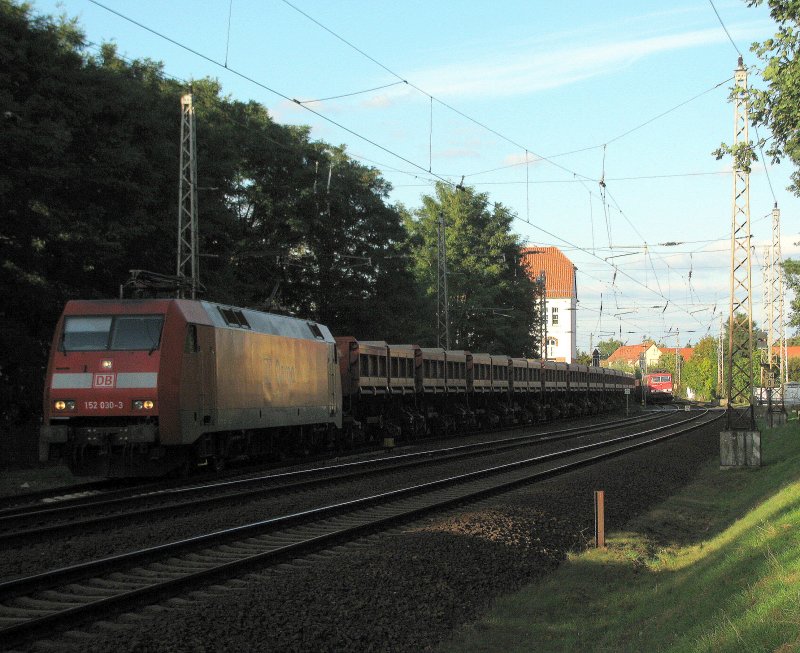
x=265 y=380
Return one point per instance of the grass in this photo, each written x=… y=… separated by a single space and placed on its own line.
x=715 y=568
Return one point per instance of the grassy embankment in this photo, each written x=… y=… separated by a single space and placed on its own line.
x=714 y=568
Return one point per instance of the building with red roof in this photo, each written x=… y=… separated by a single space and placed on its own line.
x=561 y=300
x=684 y=352
x=792 y=352
x=630 y=355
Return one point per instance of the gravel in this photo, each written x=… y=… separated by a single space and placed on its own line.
x=406 y=590
x=93 y=542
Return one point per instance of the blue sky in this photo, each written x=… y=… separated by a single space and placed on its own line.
x=576 y=89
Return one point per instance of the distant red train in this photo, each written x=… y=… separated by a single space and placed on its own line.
x=658 y=386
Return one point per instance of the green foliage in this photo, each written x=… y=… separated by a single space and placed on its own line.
x=743 y=154
x=491 y=297
x=608 y=347
x=778 y=105
x=791 y=269
x=700 y=372
x=794 y=369
x=624 y=366
x=712 y=569
x=88 y=191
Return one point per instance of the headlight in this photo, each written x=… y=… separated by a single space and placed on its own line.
x=143 y=404
x=138 y=404
x=148 y=405
x=106 y=364
x=61 y=404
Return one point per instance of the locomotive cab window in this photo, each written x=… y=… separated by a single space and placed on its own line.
x=112 y=332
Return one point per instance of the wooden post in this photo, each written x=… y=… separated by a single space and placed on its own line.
x=599 y=520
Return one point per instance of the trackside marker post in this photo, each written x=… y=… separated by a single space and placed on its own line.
x=599 y=520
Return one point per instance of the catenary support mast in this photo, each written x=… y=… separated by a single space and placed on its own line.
x=740 y=319
x=776 y=336
x=188 y=254
x=442 y=304
x=740 y=442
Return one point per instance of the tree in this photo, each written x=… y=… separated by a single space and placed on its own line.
x=88 y=191
x=608 y=347
x=777 y=107
x=700 y=371
x=791 y=269
x=491 y=300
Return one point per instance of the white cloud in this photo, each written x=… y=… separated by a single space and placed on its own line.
x=522 y=69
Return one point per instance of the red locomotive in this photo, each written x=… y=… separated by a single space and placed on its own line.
x=150 y=387
x=145 y=387
x=658 y=386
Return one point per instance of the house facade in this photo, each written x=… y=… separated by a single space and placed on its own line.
x=630 y=355
x=561 y=299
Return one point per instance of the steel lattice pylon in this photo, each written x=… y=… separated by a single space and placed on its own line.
x=776 y=335
x=720 y=359
x=442 y=304
x=540 y=308
x=739 y=378
x=188 y=254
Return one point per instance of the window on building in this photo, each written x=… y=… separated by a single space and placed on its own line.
x=554 y=315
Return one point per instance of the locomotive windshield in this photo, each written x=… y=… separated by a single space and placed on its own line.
x=112 y=333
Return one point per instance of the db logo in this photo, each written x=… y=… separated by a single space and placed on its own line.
x=103 y=380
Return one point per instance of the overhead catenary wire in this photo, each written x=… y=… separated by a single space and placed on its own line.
x=247 y=78
x=575 y=180
x=618 y=137
x=758 y=138
x=733 y=43
x=599 y=258
x=344 y=95
x=426 y=93
x=228 y=39
x=322 y=116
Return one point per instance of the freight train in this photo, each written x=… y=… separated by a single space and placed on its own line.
x=151 y=387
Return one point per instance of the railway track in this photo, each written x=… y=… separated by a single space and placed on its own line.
x=120 y=506
x=107 y=489
x=37 y=605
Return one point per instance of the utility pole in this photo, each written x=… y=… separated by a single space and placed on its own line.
x=442 y=304
x=540 y=306
x=766 y=353
x=720 y=359
x=188 y=250
x=776 y=337
x=740 y=442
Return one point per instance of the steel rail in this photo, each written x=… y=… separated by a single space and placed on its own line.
x=283 y=482
x=45 y=500
x=199 y=566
